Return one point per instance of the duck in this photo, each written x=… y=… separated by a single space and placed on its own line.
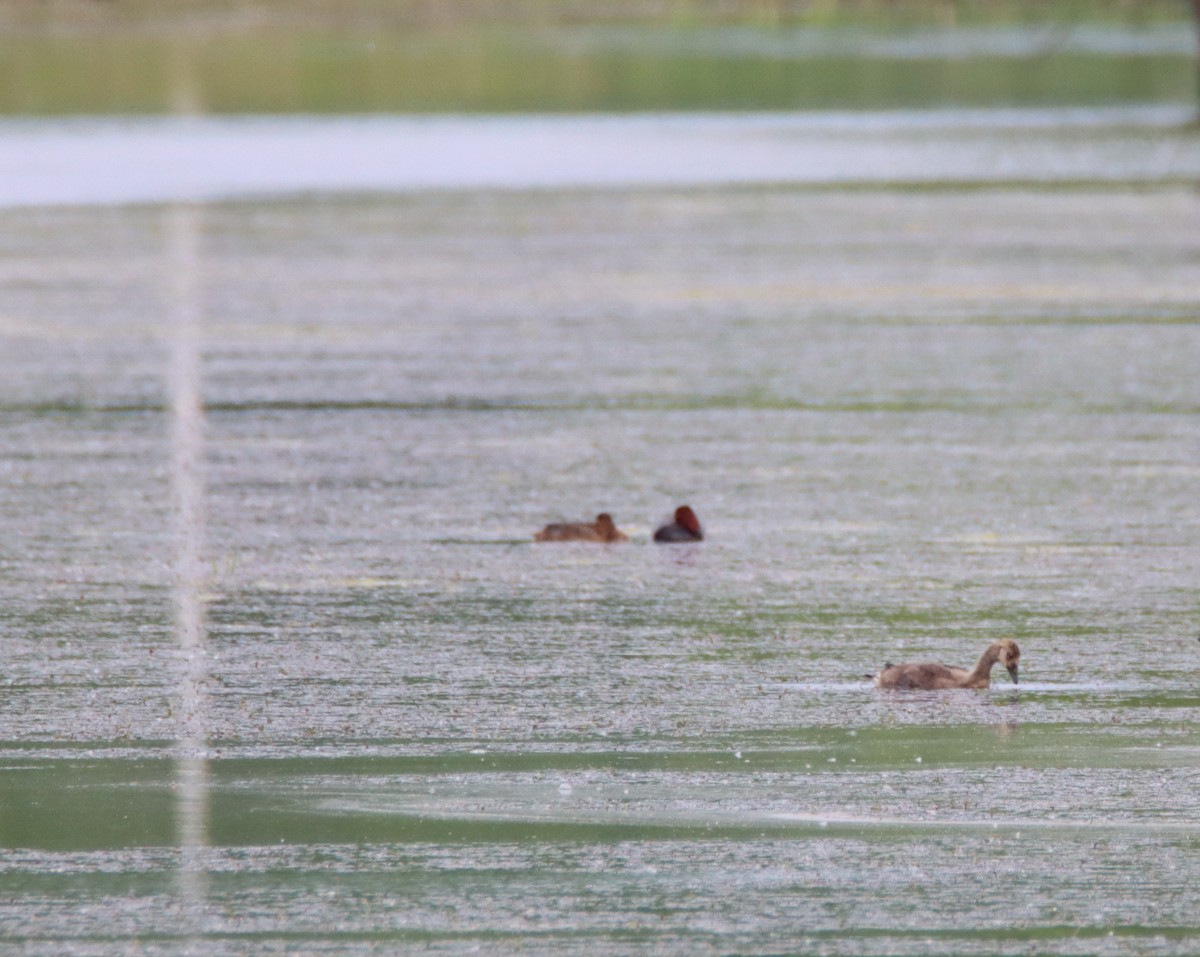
x=685 y=528
x=603 y=529
x=932 y=676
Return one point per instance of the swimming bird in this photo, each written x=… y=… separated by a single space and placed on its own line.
x=601 y=530
x=685 y=528
x=930 y=675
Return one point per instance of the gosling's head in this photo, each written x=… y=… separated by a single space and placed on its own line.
x=1008 y=654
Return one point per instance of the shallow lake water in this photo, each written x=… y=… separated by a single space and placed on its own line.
x=284 y=672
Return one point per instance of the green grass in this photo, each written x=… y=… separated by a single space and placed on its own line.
x=465 y=56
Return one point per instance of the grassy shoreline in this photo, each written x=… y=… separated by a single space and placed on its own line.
x=224 y=16
x=132 y=56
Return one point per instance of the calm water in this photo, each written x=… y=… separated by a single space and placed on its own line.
x=138 y=160
x=286 y=674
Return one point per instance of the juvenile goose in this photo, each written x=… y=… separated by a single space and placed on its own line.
x=930 y=675
x=685 y=528
x=601 y=530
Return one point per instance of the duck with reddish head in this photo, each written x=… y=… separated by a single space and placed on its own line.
x=685 y=528
x=601 y=530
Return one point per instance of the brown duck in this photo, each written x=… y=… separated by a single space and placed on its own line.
x=601 y=530
x=932 y=676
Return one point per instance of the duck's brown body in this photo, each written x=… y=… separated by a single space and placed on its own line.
x=601 y=530
x=685 y=528
x=931 y=676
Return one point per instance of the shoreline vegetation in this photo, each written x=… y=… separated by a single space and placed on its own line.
x=221 y=16
x=69 y=57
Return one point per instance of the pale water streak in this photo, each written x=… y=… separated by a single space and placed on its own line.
x=122 y=160
x=928 y=43
x=182 y=265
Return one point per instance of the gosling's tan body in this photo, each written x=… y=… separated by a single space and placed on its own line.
x=932 y=676
x=601 y=530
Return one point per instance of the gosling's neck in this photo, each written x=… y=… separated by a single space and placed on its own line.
x=981 y=677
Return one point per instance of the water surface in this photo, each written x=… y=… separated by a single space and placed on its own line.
x=191 y=158
x=912 y=419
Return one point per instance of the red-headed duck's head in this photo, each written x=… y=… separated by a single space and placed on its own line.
x=686 y=518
